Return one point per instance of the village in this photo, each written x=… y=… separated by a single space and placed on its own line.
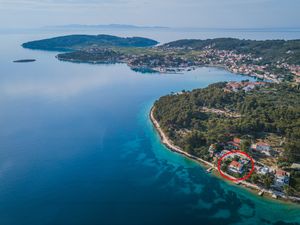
x=176 y=60
x=269 y=177
x=163 y=59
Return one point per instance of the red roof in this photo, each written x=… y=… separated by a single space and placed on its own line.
x=262 y=143
x=280 y=173
x=235 y=164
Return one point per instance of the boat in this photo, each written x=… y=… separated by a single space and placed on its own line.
x=261 y=193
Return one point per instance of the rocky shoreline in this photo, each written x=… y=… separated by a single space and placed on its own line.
x=252 y=187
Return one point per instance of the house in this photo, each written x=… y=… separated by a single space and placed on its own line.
x=263 y=170
x=281 y=178
x=236 y=167
x=249 y=87
x=235 y=144
x=262 y=147
x=223 y=152
x=234 y=86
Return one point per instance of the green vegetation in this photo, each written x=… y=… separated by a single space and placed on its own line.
x=75 y=42
x=275 y=60
x=270 y=50
x=104 y=56
x=192 y=120
x=265 y=110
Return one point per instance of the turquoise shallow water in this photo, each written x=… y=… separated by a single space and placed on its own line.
x=77 y=147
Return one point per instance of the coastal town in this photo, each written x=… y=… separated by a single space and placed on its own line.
x=175 y=60
x=172 y=59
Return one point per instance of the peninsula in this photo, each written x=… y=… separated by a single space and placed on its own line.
x=274 y=60
x=252 y=117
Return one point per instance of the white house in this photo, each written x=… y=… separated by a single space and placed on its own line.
x=263 y=170
x=236 y=167
x=262 y=148
x=281 y=178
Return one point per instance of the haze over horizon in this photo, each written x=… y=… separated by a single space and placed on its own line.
x=167 y=13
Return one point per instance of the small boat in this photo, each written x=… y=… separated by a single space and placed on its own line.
x=261 y=193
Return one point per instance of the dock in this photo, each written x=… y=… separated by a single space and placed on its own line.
x=209 y=170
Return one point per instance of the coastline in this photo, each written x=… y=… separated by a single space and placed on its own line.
x=249 y=186
x=165 y=70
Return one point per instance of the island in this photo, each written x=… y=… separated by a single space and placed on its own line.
x=272 y=60
x=24 y=60
x=85 y=42
x=261 y=119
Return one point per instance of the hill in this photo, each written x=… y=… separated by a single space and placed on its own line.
x=270 y=50
x=207 y=123
x=75 y=42
x=194 y=120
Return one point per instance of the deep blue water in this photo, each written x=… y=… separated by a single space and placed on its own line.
x=77 y=147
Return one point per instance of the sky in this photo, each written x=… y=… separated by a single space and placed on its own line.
x=171 y=13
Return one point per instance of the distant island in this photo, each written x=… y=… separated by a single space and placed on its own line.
x=259 y=118
x=275 y=60
x=103 y=26
x=24 y=60
x=86 y=42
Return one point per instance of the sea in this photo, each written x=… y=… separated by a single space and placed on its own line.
x=77 y=146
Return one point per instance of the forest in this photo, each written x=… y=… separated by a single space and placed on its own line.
x=269 y=109
x=271 y=51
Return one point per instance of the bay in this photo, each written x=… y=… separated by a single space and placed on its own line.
x=77 y=147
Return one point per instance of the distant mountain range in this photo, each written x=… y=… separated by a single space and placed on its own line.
x=103 y=26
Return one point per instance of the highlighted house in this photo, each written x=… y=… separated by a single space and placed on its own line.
x=236 y=167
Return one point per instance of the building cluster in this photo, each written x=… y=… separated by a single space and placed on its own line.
x=235 y=62
x=173 y=60
x=246 y=86
x=294 y=69
x=162 y=63
x=242 y=64
x=239 y=164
